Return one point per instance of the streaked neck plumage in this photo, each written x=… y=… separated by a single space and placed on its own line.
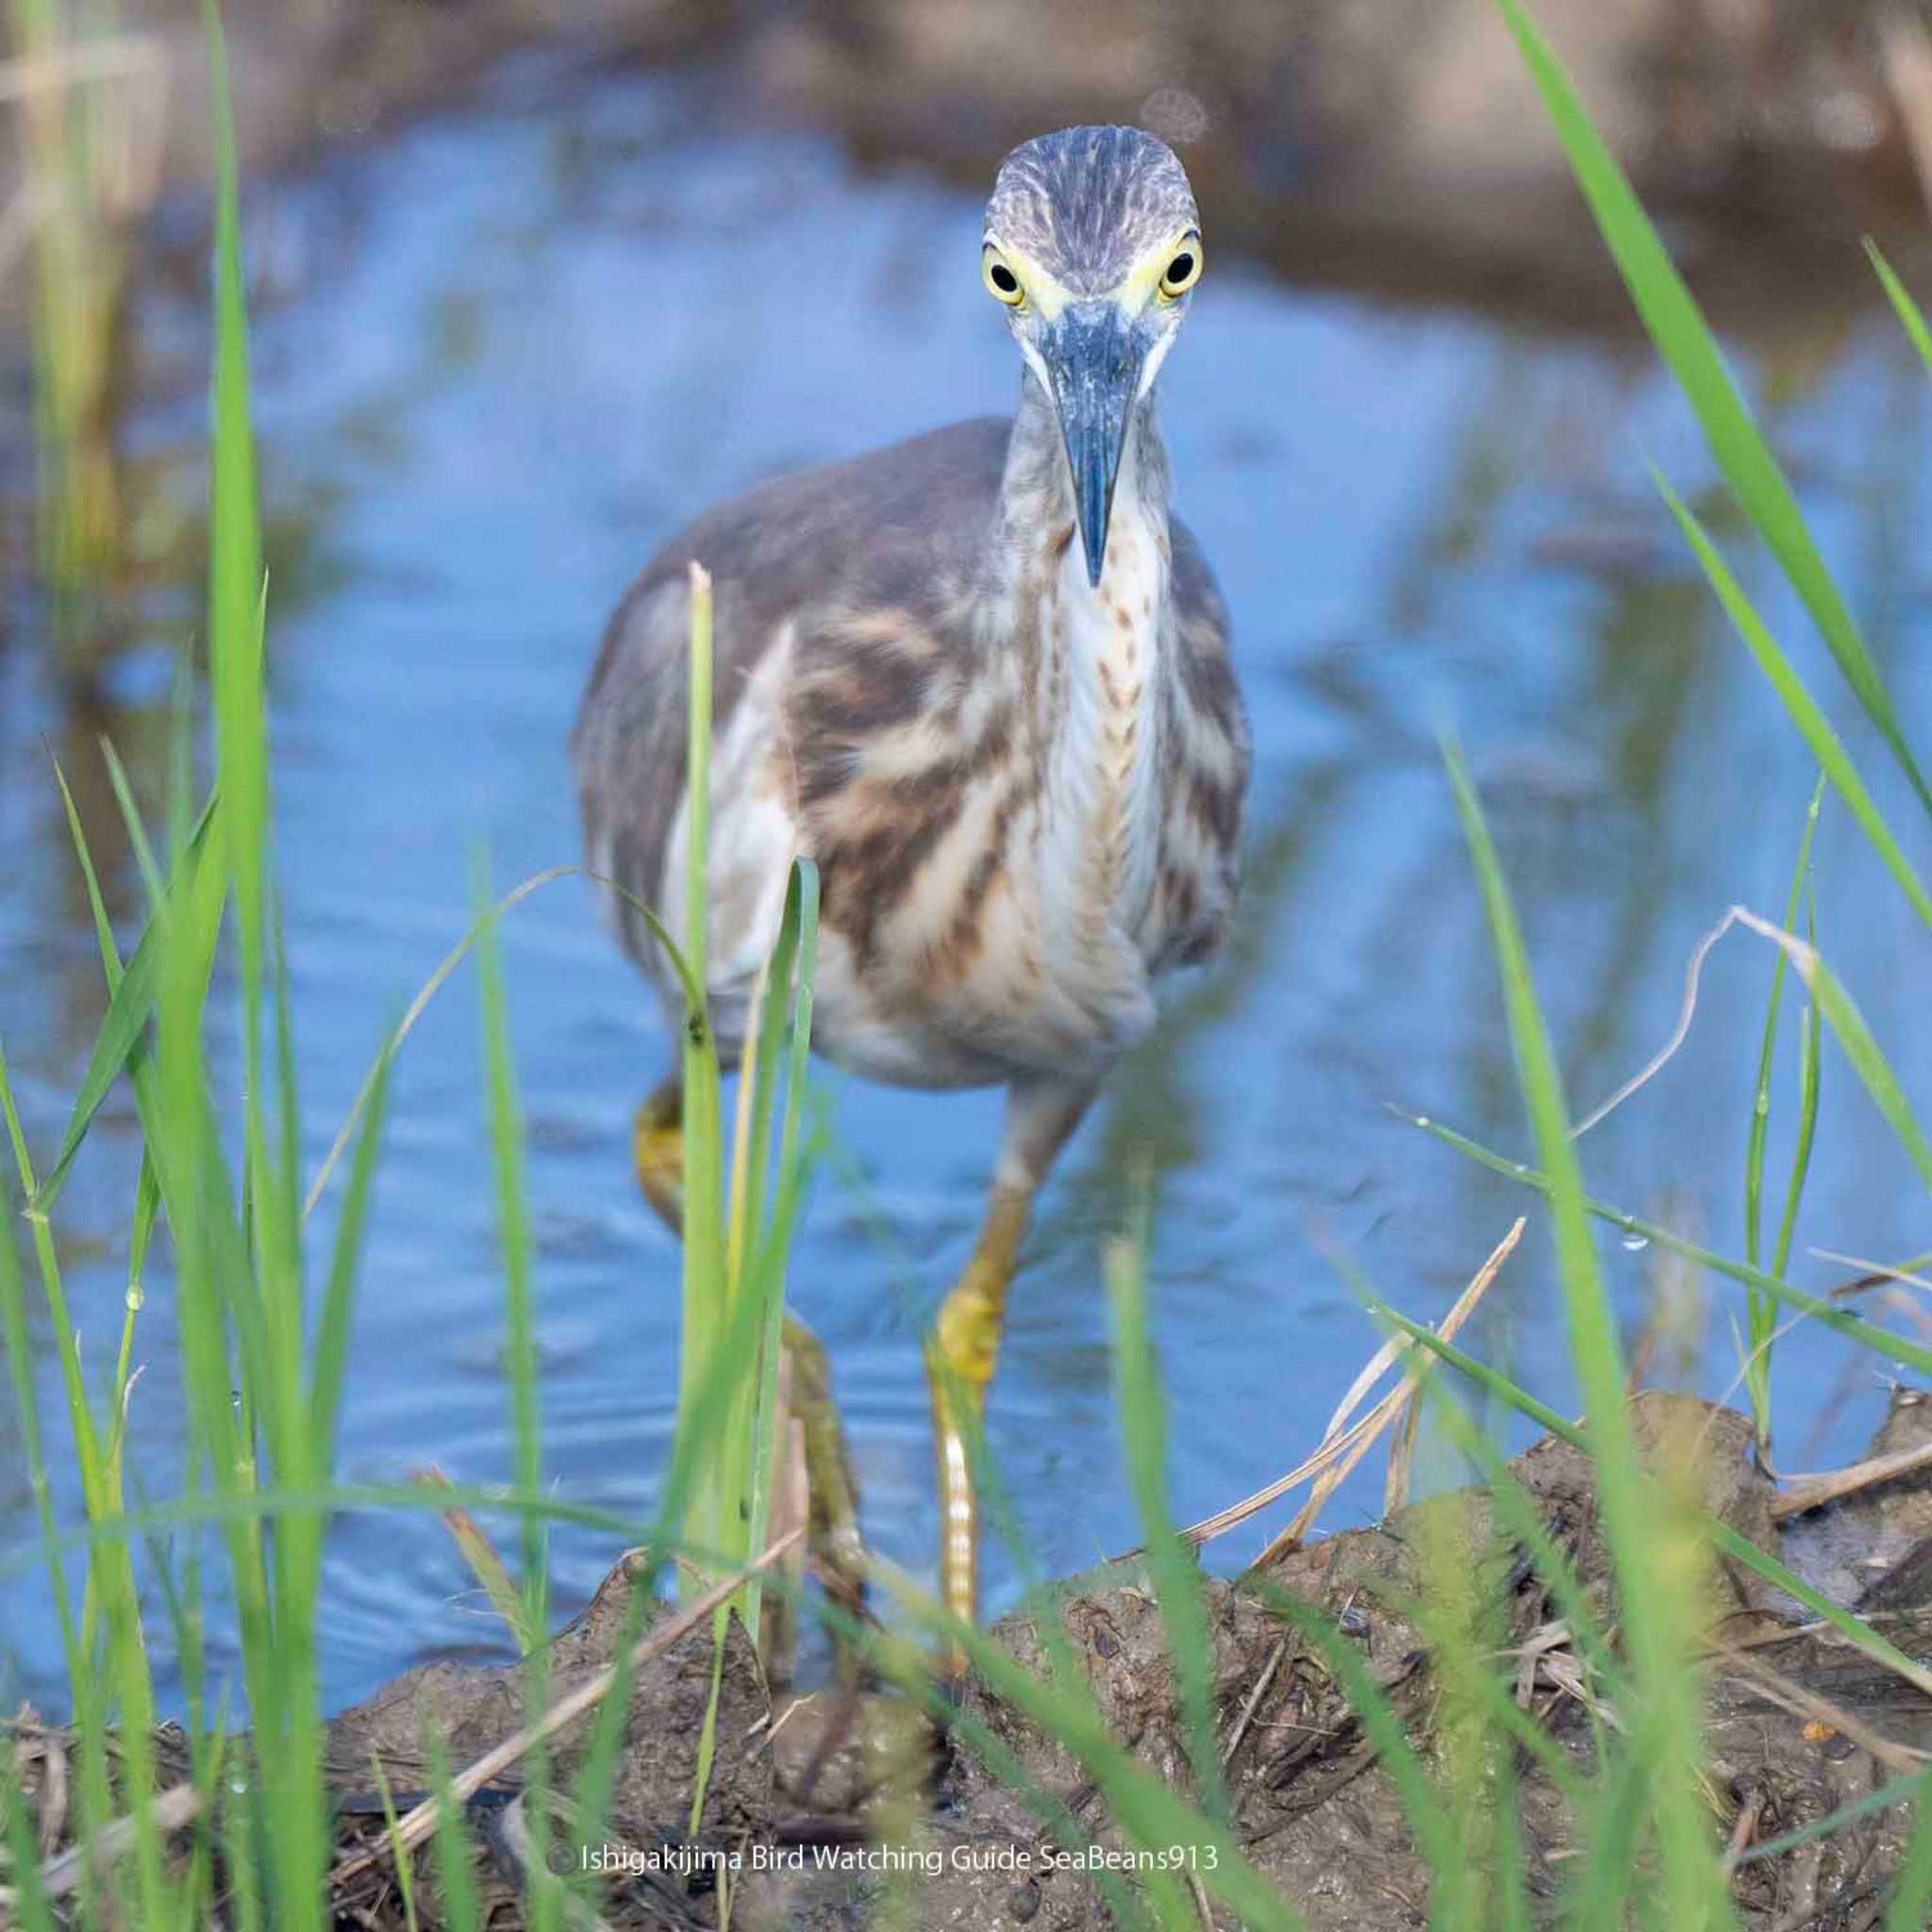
x=1099 y=657
x=1037 y=493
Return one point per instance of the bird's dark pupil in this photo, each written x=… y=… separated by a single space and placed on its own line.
x=1003 y=280
x=1180 y=268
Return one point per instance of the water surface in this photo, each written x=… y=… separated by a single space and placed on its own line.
x=499 y=359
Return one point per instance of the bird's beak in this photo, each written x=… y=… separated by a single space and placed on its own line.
x=1095 y=355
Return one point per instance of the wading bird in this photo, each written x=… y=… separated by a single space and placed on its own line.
x=982 y=680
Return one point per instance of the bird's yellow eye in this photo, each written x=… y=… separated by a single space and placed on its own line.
x=1000 y=280
x=1183 y=268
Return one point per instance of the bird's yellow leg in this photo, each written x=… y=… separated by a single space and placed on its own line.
x=657 y=1149
x=959 y=1364
x=965 y=1343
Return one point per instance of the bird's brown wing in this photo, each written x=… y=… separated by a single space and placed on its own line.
x=1208 y=732
x=882 y=526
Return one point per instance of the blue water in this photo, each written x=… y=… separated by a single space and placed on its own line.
x=498 y=359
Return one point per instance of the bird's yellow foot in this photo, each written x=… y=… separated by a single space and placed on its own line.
x=960 y=1358
x=656 y=1145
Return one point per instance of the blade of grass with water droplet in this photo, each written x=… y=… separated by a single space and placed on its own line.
x=1898 y=1348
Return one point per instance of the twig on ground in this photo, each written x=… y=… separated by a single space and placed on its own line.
x=52 y=1793
x=417 y=1826
x=1239 y=1728
x=1343 y=1440
x=513 y=1834
x=1394 y=1403
x=487 y=1565
x=1801 y=1701
x=168 y=1811
x=1812 y=1491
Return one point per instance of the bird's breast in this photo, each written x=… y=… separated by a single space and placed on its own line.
x=990 y=853
x=1100 y=833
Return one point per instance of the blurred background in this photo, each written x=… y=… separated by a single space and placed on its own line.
x=533 y=280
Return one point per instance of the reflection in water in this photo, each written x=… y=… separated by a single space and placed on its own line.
x=507 y=353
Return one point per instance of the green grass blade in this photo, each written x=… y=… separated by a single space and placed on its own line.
x=1802 y=708
x=513 y=1226
x=1907 y=311
x=1911 y=1909
x=1171 y=1560
x=597 y=1779
x=1661 y=1645
x=123 y=1028
x=1683 y=338
x=104 y=930
x=235 y=563
x=766 y=1287
x=1902 y=1791
x=1147 y=1809
x=330 y=1350
x=131 y=819
x=1855 y=1039
x=1727 y=1540
x=392 y=1040
x=1898 y=1348
x=1439 y=1848
x=402 y=1862
x=14 y=1327
x=1761 y=1109
x=1762 y=1319
x=456 y=1867
x=706 y=1291
x=29 y=1907
x=1809 y=1078
x=241 y=1803
x=1516 y=1509
x=507 y=1151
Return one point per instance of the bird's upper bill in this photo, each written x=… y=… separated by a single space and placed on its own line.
x=1093 y=242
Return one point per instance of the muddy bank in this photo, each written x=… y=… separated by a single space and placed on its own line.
x=1799 y=1726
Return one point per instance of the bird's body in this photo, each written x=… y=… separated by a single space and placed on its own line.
x=1022 y=792
x=982 y=680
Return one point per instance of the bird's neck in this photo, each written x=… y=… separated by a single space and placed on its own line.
x=1036 y=494
x=1098 y=658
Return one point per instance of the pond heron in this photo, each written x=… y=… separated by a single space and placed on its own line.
x=982 y=680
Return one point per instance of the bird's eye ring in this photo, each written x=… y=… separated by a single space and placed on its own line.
x=1184 y=270
x=1000 y=280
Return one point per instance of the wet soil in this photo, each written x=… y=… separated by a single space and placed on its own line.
x=1799 y=1725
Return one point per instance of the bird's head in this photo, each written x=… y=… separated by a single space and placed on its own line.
x=1092 y=244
